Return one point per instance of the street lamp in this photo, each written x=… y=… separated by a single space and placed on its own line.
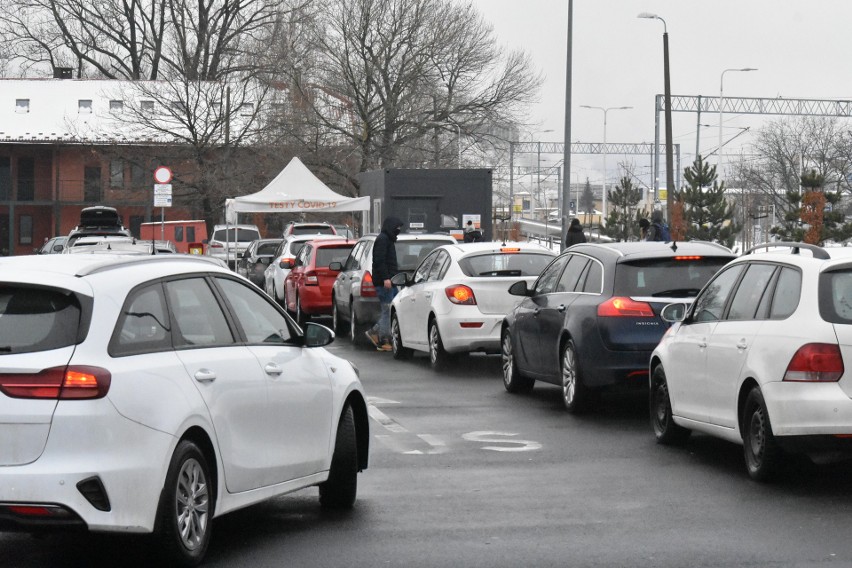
x=605 y=110
x=668 y=102
x=721 y=104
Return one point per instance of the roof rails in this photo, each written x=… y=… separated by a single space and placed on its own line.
x=816 y=251
x=109 y=264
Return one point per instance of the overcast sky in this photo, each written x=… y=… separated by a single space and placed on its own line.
x=801 y=48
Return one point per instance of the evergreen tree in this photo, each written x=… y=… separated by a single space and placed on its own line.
x=817 y=218
x=587 y=201
x=622 y=221
x=707 y=213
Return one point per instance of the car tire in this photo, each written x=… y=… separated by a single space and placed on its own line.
x=763 y=455
x=301 y=317
x=399 y=351
x=336 y=322
x=185 y=512
x=354 y=328
x=439 y=359
x=575 y=395
x=665 y=430
x=513 y=380
x=340 y=489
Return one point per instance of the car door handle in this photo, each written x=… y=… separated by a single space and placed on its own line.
x=536 y=311
x=702 y=343
x=272 y=369
x=742 y=345
x=205 y=376
x=561 y=308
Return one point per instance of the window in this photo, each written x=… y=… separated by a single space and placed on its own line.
x=505 y=264
x=116 y=106
x=26 y=178
x=572 y=274
x=198 y=319
x=441 y=261
x=137 y=175
x=246 y=109
x=25 y=229
x=84 y=106
x=547 y=281
x=259 y=320
x=710 y=305
x=37 y=319
x=190 y=234
x=146 y=106
x=354 y=259
x=5 y=178
x=178 y=234
x=594 y=278
x=327 y=255
x=750 y=292
x=143 y=325
x=422 y=272
x=116 y=173
x=785 y=300
x=22 y=105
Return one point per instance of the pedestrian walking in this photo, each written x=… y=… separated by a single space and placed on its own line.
x=643 y=229
x=575 y=233
x=658 y=231
x=384 y=268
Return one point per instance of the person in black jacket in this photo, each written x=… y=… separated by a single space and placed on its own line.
x=575 y=233
x=384 y=268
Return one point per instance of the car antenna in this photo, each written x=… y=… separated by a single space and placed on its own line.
x=674 y=246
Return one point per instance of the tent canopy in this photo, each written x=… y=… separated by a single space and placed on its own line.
x=295 y=190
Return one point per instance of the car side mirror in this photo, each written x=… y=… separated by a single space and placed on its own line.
x=674 y=313
x=520 y=289
x=286 y=263
x=317 y=335
x=58 y=248
x=400 y=279
x=337 y=266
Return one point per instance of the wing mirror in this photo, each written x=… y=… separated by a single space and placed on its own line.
x=520 y=289
x=286 y=263
x=336 y=266
x=674 y=313
x=317 y=335
x=400 y=279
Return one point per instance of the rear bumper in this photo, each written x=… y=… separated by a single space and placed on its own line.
x=367 y=310
x=808 y=409
x=459 y=339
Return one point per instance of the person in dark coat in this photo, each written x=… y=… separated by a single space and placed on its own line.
x=384 y=267
x=643 y=229
x=575 y=233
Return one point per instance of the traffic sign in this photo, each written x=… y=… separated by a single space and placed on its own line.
x=162 y=175
x=162 y=195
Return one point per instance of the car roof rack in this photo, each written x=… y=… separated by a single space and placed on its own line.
x=816 y=251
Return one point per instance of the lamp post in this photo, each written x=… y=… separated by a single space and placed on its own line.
x=668 y=102
x=605 y=110
x=721 y=104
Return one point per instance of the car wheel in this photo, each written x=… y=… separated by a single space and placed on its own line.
x=338 y=491
x=399 y=351
x=301 y=317
x=354 y=329
x=665 y=429
x=438 y=357
x=763 y=456
x=336 y=322
x=575 y=394
x=185 y=513
x=512 y=378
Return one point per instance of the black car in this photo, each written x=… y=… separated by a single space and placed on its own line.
x=256 y=258
x=592 y=318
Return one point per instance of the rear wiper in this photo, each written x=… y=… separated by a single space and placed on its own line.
x=678 y=292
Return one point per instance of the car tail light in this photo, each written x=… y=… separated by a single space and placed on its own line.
x=460 y=294
x=216 y=245
x=64 y=383
x=815 y=362
x=311 y=278
x=367 y=287
x=510 y=250
x=619 y=307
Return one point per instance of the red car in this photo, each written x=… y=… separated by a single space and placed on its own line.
x=307 y=288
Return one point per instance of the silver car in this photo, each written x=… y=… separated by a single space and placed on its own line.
x=229 y=242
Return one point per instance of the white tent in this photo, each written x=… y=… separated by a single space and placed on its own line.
x=294 y=190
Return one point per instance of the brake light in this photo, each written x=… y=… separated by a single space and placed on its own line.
x=815 y=362
x=619 y=307
x=368 y=289
x=311 y=278
x=508 y=250
x=687 y=258
x=460 y=294
x=217 y=245
x=63 y=383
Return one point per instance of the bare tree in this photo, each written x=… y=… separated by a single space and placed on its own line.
x=413 y=77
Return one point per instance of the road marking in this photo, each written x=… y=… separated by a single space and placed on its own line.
x=385 y=420
x=379 y=400
x=492 y=437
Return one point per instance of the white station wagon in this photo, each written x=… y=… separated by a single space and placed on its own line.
x=142 y=394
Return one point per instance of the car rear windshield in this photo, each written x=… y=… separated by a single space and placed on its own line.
x=410 y=253
x=37 y=319
x=312 y=230
x=835 y=296
x=666 y=277
x=243 y=235
x=505 y=264
x=267 y=249
x=327 y=255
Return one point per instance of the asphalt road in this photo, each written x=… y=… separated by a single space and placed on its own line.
x=463 y=474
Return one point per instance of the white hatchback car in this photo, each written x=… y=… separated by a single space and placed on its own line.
x=458 y=296
x=758 y=359
x=154 y=393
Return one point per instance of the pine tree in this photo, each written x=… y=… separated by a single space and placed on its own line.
x=587 y=201
x=818 y=217
x=622 y=221
x=707 y=213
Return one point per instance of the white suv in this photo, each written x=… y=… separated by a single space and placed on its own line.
x=229 y=242
x=155 y=393
x=758 y=359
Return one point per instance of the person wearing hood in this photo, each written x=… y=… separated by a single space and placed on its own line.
x=384 y=268
x=575 y=233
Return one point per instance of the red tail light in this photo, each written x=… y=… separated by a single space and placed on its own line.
x=63 y=383
x=217 y=245
x=624 y=308
x=311 y=278
x=367 y=287
x=460 y=294
x=817 y=362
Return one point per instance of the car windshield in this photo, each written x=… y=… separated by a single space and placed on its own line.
x=37 y=319
x=267 y=249
x=666 y=277
x=505 y=264
x=243 y=235
x=327 y=255
x=410 y=253
x=312 y=230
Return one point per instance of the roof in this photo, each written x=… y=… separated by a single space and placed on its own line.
x=651 y=249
